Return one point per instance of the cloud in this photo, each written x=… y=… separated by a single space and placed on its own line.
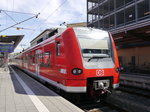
x=69 y=12
x=52 y=15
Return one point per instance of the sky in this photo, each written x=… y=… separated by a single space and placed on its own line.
x=52 y=14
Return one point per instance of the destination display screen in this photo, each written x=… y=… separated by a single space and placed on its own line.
x=6 y=48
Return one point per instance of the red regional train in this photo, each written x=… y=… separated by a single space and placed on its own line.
x=75 y=60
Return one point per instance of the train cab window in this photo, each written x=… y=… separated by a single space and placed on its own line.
x=58 y=48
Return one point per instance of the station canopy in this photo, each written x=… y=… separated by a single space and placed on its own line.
x=9 y=42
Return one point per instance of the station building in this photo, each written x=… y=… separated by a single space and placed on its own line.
x=129 y=23
x=49 y=32
x=81 y=24
x=7 y=45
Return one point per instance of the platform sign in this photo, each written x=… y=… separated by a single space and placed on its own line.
x=6 y=48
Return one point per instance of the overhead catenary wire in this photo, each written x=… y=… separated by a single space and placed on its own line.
x=17 y=12
x=41 y=11
x=19 y=22
x=56 y=10
x=5 y=11
x=29 y=18
x=10 y=17
x=18 y=28
x=50 y=15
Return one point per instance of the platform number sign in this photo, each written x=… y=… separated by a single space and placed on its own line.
x=99 y=72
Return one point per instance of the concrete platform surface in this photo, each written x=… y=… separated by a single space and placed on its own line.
x=21 y=93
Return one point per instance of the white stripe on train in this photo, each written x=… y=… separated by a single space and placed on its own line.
x=65 y=88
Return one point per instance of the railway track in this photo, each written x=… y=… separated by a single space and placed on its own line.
x=90 y=106
x=129 y=101
x=124 y=99
x=135 y=84
x=136 y=81
x=135 y=90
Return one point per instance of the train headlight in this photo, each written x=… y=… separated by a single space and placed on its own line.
x=77 y=71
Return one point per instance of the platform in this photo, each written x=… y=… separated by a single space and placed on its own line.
x=21 y=93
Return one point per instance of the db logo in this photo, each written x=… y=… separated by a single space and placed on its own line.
x=99 y=72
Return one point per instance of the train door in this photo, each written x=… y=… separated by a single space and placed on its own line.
x=37 y=65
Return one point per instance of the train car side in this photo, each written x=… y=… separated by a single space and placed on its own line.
x=79 y=60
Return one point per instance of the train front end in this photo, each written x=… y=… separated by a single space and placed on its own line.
x=94 y=62
x=100 y=60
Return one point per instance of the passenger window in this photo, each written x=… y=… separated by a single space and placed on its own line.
x=30 y=59
x=46 y=59
x=33 y=59
x=41 y=59
x=58 y=48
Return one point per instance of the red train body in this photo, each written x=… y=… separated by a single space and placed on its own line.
x=78 y=60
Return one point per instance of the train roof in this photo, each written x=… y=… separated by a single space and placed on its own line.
x=58 y=31
x=88 y=29
x=52 y=31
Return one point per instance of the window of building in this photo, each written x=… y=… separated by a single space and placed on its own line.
x=40 y=40
x=100 y=1
x=120 y=18
x=106 y=22
x=119 y=3
x=89 y=5
x=94 y=17
x=128 y=1
x=130 y=14
x=105 y=8
x=101 y=23
x=143 y=9
x=111 y=5
x=100 y=11
x=111 y=21
x=58 y=48
x=89 y=17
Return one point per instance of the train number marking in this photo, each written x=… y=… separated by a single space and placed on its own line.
x=99 y=72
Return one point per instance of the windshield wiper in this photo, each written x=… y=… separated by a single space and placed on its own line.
x=95 y=57
x=92 y=56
